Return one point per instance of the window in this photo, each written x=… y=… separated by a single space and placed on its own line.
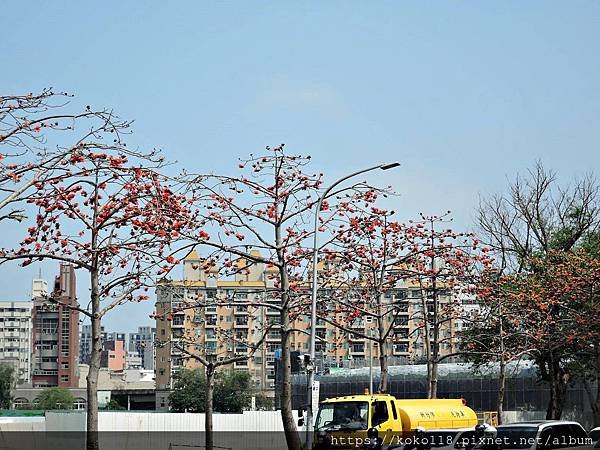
x=64 y=365
x=560 y=436
x=178 y=320
x=349 y=414
x=64 y=378
x=394 y=411
x=79 y=404
x=358 y=348
x=380 y=413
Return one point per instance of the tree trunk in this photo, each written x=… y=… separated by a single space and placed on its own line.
x=552 y=380
x=561 y=398
x=287 y=417
x=502 y=376
x=94 y=369
x=383 y=367
x=208 y=409
x=382 y=344
x=434 y=379
x=289 y=425
x=501 y=391
x=558 y=390
x=435 y=351
x=426 y=342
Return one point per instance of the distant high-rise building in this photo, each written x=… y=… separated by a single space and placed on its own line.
x=115 y=336
x=15 y=338
x=85 y=341
x=142 y=343
x=55 y=331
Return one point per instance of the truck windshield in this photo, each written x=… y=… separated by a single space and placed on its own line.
x=343 y=415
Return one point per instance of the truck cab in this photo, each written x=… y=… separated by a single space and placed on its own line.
x=349 y=420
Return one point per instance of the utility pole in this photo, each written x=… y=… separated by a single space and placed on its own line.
x=310 y=367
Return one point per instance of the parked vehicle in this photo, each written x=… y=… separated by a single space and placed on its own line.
x=594 y=434
x=540 y=435
x=450 y=438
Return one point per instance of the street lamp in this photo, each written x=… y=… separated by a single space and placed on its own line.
x=315 y=287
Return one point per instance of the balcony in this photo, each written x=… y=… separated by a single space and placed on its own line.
x=355 y=338
x=49 y=366
x=241 y=322
x=175 y=350
x=47 y=336
x=211 y=321
x=358 y=325
x=400 y=348
x=357 y=349
x=198 y=318
x=49 y=352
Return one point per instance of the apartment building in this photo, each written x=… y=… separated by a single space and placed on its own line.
x=222 y=331
x=142 y=344
x=85 y=341
x=55 y=331
x=113 y=355
x=15 y=338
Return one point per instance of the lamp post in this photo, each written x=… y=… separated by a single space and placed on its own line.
x=315 y=287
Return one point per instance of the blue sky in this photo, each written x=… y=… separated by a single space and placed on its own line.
x=463 y=94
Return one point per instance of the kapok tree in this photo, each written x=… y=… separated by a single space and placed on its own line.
x=362 y=268
x=538 y=216
x=558 y=304
x=33 y=129
x=108 y=212
x=383 y=254
x=445 y=266
x=268 y=208
x=493 y=335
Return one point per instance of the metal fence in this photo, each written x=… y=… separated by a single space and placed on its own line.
x=524 y=392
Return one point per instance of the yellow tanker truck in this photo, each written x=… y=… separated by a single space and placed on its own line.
x=354 y=420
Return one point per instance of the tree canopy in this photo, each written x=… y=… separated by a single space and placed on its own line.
x=55 y=398
x=232 y=391
x=7 y=380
